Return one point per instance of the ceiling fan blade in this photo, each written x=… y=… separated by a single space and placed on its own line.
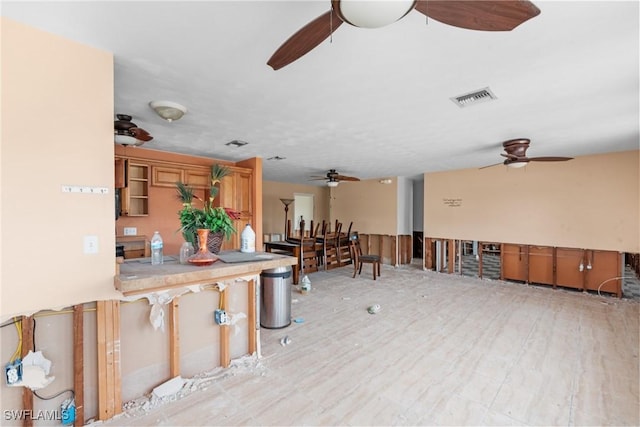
x=490 y=166
x=509 y=156
x=140 y=134
x=484 y=15
x=303 y=41
x=346 y=178
x=549 y=159
x=317 y=178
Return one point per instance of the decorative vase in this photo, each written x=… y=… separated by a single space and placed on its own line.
x=203 y=256
x=214 y=241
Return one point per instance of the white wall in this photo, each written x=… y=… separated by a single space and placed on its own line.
x=405 y=206
x=418 y=205
x=57 y=129
x=589 y=202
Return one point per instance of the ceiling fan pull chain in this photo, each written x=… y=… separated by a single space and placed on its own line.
x=331 y=26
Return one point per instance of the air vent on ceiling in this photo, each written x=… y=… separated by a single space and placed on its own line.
x=482 y=95
x=236 y=143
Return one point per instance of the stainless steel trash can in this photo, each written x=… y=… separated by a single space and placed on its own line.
x=275 y=298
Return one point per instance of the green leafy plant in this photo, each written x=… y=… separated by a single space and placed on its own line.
x=213 y=218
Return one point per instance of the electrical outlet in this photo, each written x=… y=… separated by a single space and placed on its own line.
x=68 y=411
x=90 y=244
x=13 y=372
x=221 y=317
x=130 y=231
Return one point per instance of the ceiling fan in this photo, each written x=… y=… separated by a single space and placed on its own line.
x=516 y=154
x=333 y=178
x=128 y=133
x=484 y=15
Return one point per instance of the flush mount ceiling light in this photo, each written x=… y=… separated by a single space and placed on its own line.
x=168 y=110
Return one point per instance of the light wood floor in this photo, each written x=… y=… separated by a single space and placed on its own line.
x=444 y=350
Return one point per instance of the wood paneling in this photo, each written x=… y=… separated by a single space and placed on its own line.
x=514 y=261
x=606 y=266
x=568 y=273
x=541 y=265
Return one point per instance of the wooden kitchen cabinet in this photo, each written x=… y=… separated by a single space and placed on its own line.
x=198 y=178
x=514 y=262
x=135 y=195
x=235 y=193
x=121 y=174
x=166 y=176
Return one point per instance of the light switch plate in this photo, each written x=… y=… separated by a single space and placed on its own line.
x=90 y=244
x=130 y=231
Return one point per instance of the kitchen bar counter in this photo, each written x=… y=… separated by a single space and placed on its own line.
x=139 y=276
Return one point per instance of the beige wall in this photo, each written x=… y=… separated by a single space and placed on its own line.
x=273 y=209
x=590 y=202
x=373 y=207
x=57 y=129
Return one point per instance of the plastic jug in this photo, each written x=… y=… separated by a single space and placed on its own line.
x=156 y=249
x=248 y=240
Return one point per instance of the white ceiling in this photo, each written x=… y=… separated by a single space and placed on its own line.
x=372 y=102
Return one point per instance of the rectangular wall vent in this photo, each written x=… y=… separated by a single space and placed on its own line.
x=482 y=95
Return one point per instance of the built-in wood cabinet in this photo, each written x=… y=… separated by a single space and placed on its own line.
x=236 y=193
x=134 y=246
x=568 y=272
x=575 y=268
x=135 y=193
x=198 y=178
x=603 y=270
x=540 y=265
x=168 y=176
x=514 y=262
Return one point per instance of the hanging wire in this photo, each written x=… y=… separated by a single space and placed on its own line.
x=73 y=394
x=16 y=354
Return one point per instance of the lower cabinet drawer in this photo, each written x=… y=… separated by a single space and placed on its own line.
x=134 y=253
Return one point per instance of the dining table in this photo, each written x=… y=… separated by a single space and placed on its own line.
x=290 y=248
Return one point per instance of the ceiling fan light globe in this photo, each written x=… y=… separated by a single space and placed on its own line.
x=127 y=140
x=374 y=13
x=517 y=164
x=332 y=184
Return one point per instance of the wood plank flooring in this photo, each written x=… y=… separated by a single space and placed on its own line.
x=443 y=350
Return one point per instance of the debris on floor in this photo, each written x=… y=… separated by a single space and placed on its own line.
x=285 y=340
x=298 y=320
x=246 y=365
x=373 y=309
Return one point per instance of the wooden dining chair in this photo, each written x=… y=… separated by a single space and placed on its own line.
x=359 y=259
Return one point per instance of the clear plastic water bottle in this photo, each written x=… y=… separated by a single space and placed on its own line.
x=248 y=239
x=156 y=249
x=185 y=252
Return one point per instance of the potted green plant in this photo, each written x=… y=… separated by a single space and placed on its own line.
x=218 y=220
